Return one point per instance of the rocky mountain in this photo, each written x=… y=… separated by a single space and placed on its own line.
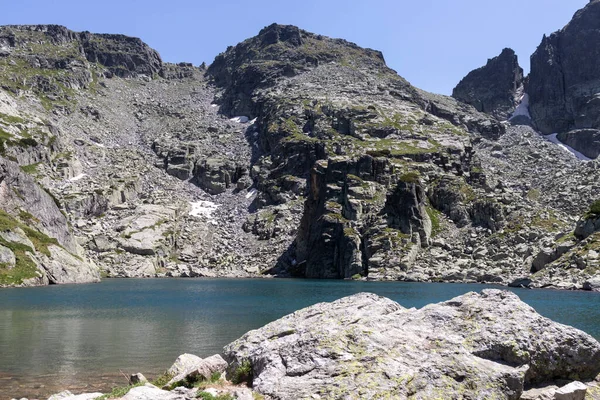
x=292 y=154
x=565 y=81
x=495 y=88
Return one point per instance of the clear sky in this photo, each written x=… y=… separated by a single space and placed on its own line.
x=432 y=43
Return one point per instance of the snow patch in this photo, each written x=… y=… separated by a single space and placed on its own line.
x=99 y=144
x=214 y=105
x=241 y=119
x=251 y=193
x=76 y=178
x=554 y=139
x=253 y=121
x=203 y=208
x=523 y=108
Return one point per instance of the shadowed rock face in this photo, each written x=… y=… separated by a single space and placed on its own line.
x=492 y=88
x=586 y=141
x=490 y=345
x=564 y=84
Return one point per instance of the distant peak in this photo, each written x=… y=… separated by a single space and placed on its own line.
x=507 y=51
x=275 y=33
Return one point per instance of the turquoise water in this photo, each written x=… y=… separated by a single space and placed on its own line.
x=83 y=336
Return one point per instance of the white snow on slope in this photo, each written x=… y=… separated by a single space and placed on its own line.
x=523 y=108
x=251 y=193
x=241 y=119
x=204 y=208
x=554 y=139
x=76 y=178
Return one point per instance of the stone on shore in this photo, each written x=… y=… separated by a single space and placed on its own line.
x=365 y=346
x=151 y=392
x=137 y=378
x=184 y=363
x=193 y=368
x=572 y=391
x=67 y=395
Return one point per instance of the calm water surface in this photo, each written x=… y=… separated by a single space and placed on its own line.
x=82 y=336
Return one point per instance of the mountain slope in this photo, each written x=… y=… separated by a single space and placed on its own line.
x=293 y=154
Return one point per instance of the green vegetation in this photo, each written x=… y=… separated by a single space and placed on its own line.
x=594 y=210
x=566 y=238
x=410 y=177
x=162 y=380
x=30 y=169
x=50 y=84
x=10 y=119
x=243 y=373
x=119 y=392
x=435 y=217
x=397 y=148
x=547 y=222
x=27 y=217
x=24 y=268
x=356 y=277
x=533 y=195
x=208 y=396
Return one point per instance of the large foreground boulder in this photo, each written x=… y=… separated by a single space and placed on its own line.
x=488 y=345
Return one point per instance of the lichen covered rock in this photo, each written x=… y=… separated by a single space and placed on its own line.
x=490 y=345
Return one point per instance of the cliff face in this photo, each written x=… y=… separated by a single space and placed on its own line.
x=565 y=78
x=493 y=88
x=36 y=244
x=335 y=116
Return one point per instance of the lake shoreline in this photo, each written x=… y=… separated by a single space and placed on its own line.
x=364 y=345
x=572 y=287
x=69 y=335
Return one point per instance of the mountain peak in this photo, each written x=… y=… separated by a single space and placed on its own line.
x=493 y=87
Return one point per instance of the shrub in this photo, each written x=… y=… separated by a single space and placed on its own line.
x=595 y=208
x=243 y=373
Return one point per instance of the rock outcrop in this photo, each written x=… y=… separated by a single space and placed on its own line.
x=565 y=80
x=495 y=87
x=490 y=345
x=37 y=244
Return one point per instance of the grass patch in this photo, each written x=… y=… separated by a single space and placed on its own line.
x=27 y=217
x=410 y=177
x=533 y=195
x=162 y=380
x=40 y=240
x=30 y=169
x=435 y=217
x=208 y=396
x=119 y=392
x=594 y=210
x=11 y=119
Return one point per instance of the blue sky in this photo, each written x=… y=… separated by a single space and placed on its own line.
x=432 y=43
